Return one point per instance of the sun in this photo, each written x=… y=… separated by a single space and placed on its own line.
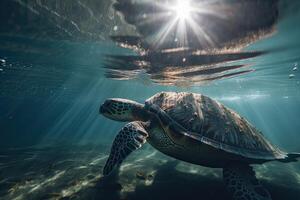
x=183 y=9
x=184 y=17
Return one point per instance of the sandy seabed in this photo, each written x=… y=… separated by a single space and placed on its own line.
x=75 y=172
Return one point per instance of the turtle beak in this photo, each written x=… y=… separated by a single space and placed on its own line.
x=103 y=109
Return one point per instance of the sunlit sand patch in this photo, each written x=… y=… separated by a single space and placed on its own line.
x=194 y=169
x=30 y=158
x=46 y=173
x=79 y=185
x=130 y=182
x=19 y=190
x=64 y=161
x=98 y=160
x=3 y=180
x=262 y=172
x=297 y=174
x=127 y=166
x=139 y=171
x=139 y=161
x=147 y=156
x=283 y=174
x=129 y=187
x=81 y=167
x=48 y=181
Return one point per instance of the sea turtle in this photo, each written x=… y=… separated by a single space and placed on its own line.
x=196 y=129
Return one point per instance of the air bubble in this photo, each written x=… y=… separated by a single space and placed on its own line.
x=2 y=62
x=292 y=76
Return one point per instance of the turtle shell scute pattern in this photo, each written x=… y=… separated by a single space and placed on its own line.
x=216 y=125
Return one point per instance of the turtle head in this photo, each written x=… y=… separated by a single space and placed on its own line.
x=123 y=110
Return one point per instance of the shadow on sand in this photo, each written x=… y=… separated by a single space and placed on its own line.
x=170 y=183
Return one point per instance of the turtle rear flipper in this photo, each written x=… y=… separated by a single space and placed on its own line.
x=130 y=138
x=242 y=184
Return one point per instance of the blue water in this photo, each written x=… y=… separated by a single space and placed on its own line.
x=50 y=93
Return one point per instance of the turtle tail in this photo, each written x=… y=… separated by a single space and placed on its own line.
x=291 y=157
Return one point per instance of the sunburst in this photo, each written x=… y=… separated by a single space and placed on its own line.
x=184 y=15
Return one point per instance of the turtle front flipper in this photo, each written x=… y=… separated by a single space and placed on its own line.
x=130 y=138
x=242 y=184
